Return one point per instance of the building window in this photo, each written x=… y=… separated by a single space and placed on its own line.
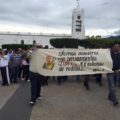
x=78 y=30
x=34 y=42
x=78 y=17
x=78 y=25
x=78 y=21
x=22 y=42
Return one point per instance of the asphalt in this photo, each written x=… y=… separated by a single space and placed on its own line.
x=71 y=101
x=17 y=107
x=68 y=101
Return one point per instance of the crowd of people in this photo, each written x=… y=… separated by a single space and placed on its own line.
x=15 y=66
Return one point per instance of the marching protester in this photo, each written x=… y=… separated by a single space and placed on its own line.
x=118 y=84
x=46 y=78
x=20 y=53
x=35 y=79
x=25 y=67
x=4 y=60
x=14 y=64
x=113 y=77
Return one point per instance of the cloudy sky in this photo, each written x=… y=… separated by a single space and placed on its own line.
x=54 y=16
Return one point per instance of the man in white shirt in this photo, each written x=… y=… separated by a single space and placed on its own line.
x=4 y=59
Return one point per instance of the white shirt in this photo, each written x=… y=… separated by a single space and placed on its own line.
x=4 y=61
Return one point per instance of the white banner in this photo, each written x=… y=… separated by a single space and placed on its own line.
x=61 y=62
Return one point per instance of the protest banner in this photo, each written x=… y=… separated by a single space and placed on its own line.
x=61 y=62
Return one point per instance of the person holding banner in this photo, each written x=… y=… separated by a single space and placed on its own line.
x=35 y=79
x=113 y=77
x=119 y=71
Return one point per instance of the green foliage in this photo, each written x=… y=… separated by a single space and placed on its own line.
x=95 y=43
x=64 y=43
x=16 y=46
x=87 y=43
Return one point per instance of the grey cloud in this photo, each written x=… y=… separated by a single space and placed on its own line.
x=105 y=4
x=98 y=14
x=103 y=15
x=32 y=13
x=117 y=32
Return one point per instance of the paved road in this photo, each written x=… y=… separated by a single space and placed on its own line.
x=6 y=93
x=70 y=101
x=17 y=107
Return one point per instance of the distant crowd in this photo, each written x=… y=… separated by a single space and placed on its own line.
x=14 y=65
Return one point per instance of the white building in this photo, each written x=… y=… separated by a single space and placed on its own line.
x=78 y=28
x=78 y=31
x=28 y=38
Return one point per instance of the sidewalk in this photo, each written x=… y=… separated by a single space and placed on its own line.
x=6 y=92
x=17 y=107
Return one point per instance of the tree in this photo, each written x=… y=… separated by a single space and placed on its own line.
x=64 y=43
x=87 y=43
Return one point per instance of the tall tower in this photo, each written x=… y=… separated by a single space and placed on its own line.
x=78 y=29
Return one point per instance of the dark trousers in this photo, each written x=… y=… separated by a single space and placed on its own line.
x=78 y=77
x=36 y=80
x=59 y=80
x=45 y=80
x=5 y=75
x=14 y=73
x=112 y=87
x=86 y=82
x=99 y=79
x=20 y=71
x=25 y=72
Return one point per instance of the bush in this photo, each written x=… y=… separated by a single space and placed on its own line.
x=87 y=43
x=64 y=43
x=16 y=46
